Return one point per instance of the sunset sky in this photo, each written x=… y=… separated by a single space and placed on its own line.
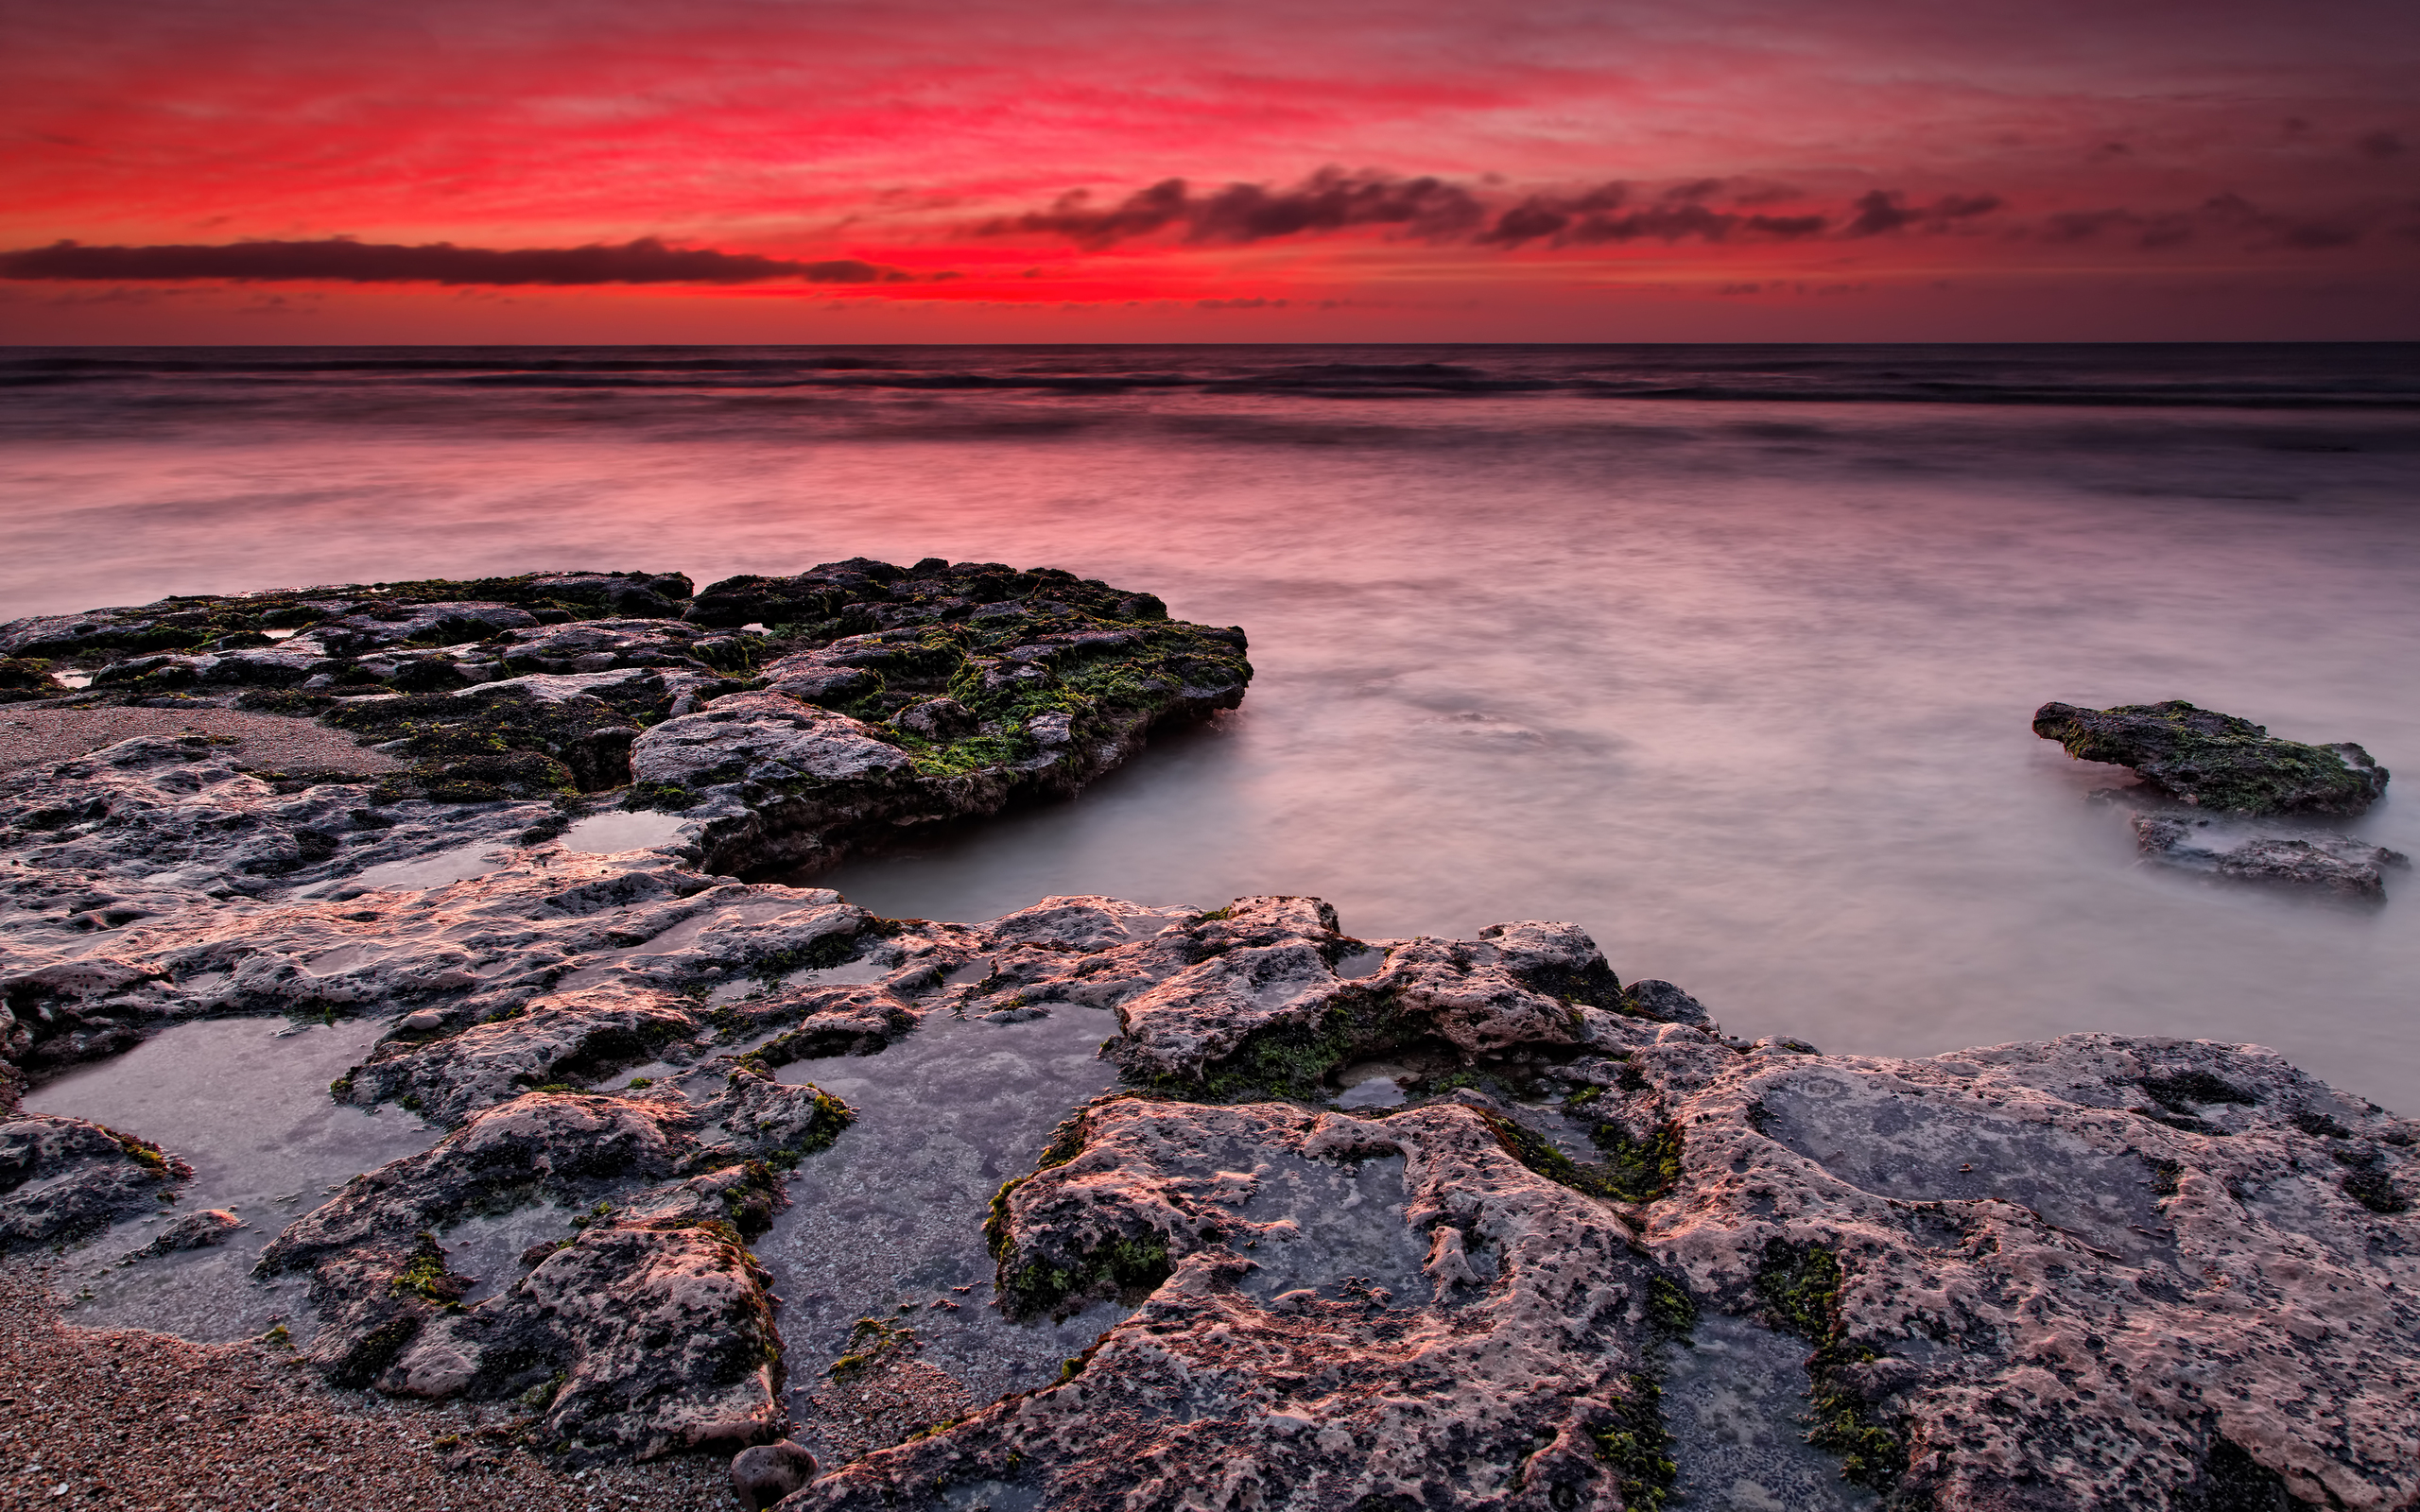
x=772 y=170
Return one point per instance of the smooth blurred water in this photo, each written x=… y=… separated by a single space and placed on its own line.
x=1740 y=683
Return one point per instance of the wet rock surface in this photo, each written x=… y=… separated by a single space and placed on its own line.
x=2216 y=761
x=1331 y=1222
x=2334 y=862
x=795 y=717
x=62 y=1178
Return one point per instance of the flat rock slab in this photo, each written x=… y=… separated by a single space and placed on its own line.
x=248 y=742
x=2201 y=843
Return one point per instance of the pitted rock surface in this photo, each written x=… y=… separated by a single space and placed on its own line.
x=1274 y=1367
x=2078 y=1274
x=862 y=697
x=62 y=1178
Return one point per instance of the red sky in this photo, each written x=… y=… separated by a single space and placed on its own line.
x=772 y=170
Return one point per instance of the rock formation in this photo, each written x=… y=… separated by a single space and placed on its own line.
x=798 y=715
x=2216 y=761
x=1375 y=1223
x=2210 y=779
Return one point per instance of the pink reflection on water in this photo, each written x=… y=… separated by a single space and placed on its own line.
x=1745 y=693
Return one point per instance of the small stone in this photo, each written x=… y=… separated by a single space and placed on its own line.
x=763 y=1473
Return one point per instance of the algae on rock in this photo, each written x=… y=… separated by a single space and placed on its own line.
x=2216 y=761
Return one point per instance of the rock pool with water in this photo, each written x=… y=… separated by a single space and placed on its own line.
x=889 y=1221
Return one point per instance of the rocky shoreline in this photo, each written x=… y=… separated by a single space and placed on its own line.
x=1365 y=1222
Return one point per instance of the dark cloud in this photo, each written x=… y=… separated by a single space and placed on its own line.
x=1542 y=216
x=1072 y=215
x=1884 y=210
x=1330 y=199
x=338 y=260
x=1590 y=221
x=2379 y=145
x=1436 y=210
x=2226 y=214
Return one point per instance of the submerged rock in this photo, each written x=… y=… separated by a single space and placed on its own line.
x=2336 y=862
x=195 y=1230
x=2216 y=761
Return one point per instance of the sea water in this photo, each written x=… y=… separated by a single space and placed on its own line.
x=1726 y=654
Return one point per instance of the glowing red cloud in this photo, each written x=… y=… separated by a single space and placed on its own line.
x=1470 y=153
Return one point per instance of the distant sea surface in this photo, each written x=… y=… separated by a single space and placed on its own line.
x=1726 y=653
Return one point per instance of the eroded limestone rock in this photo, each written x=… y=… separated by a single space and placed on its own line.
x=62 y=1178
x=1355 y=1312
x=794 y=717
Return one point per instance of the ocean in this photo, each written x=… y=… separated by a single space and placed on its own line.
x=1726 y=653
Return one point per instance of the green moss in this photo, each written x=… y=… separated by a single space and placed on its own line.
x=1293 y=1059
x=374 y=1350
x=425 y=1275
x=996 y=1228
x=2217 y=760
x=1638 y=1448
x=869 y=1341
x=1670 y=1308
x=480 y=745
x=1640 y=1169
x=670 y=797
x=146 y=1155
x=1120 y=1266
x=820 y=954
x=1801 y=1283
x=1637 y=1171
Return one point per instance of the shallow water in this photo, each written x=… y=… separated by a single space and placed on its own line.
x=245 y=1102
x=889 y=1221
x=617 y=829
x=1736 y=1401
x=1740 y=683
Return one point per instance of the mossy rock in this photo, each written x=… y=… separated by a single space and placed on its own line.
x=2216 y=761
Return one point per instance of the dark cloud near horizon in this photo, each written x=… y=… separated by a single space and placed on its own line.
x=1330 y=199
x=2224 y=215
x=1884 y=210
x=343 y=260
x=1436 y=210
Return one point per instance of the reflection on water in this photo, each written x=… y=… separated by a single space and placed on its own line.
x=1742 y=687
x=244 y=1101
x=889 y=1221
x=618 y=830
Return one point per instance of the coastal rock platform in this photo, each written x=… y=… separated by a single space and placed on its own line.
x=1358 y=1223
